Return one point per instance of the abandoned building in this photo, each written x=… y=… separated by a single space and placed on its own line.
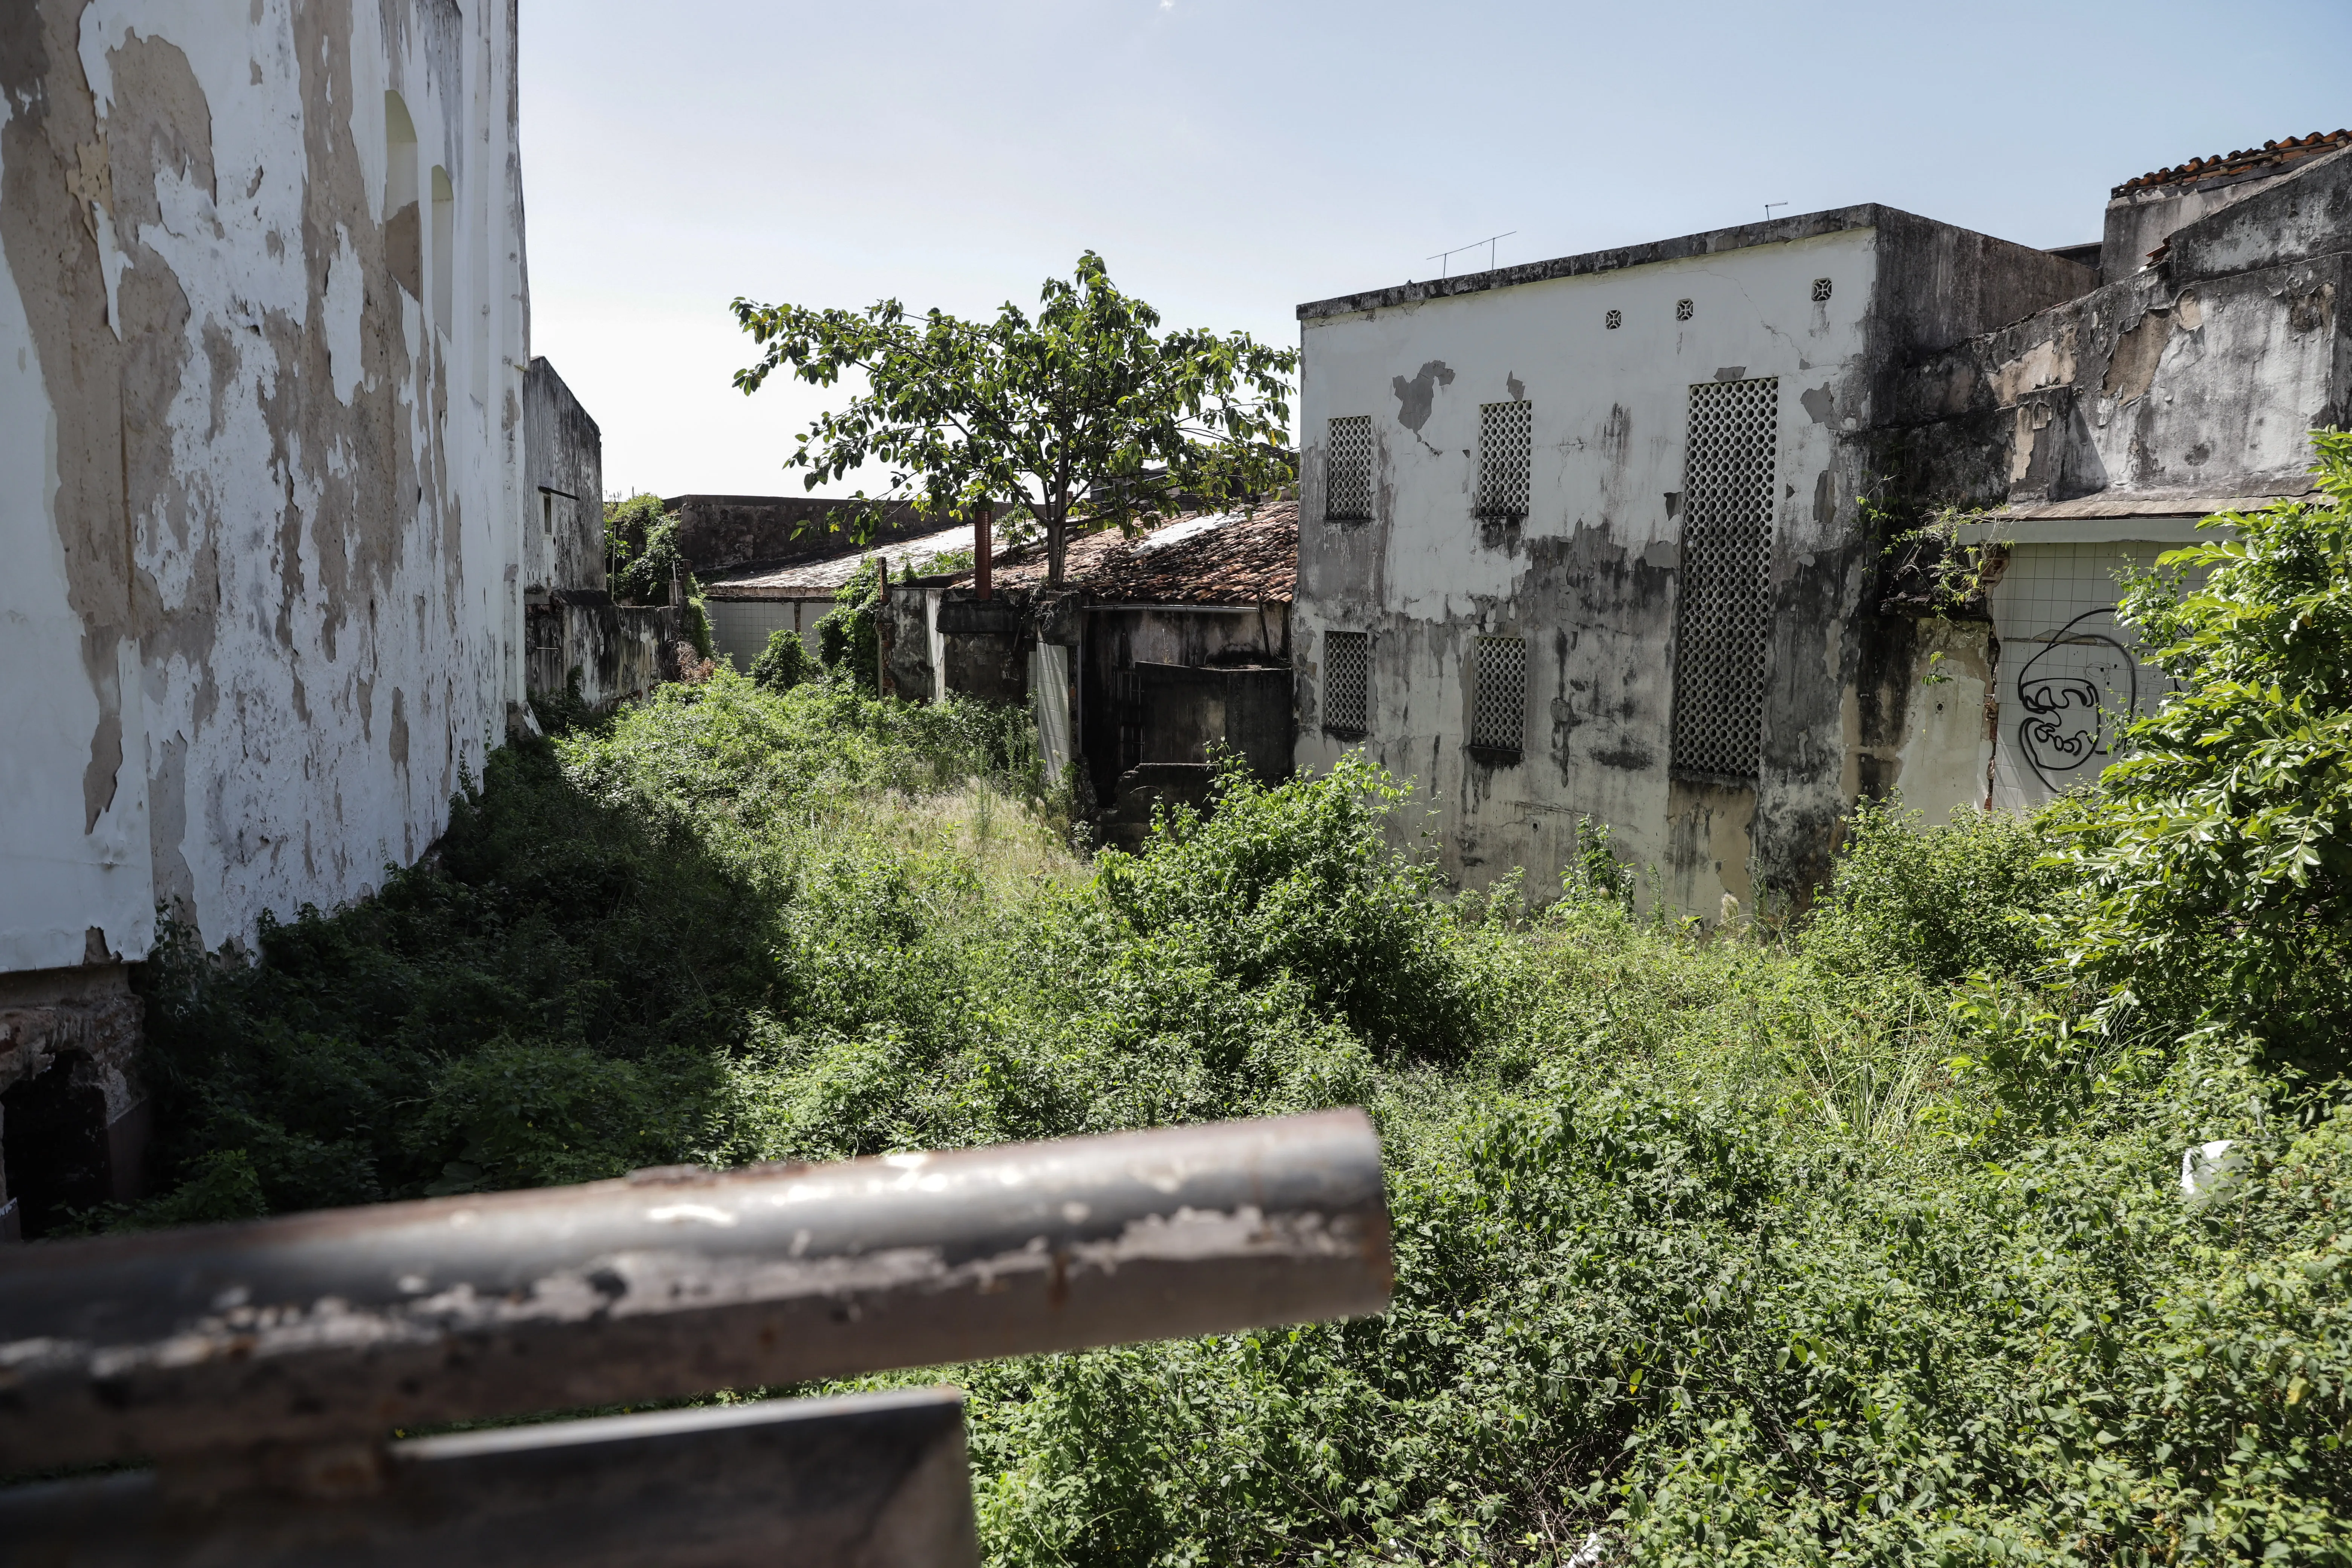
x=577 y=640
x=1586 y=538
x=750 y=601
x=283 y=479
x=1159 y=652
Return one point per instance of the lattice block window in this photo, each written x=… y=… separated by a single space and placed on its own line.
x=1347 y=681
x=1348 y=469
x=1498 y=694
x=1723 y=622
x=1505 y=432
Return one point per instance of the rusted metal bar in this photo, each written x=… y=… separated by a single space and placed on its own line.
x=872 y=1481
x=336 y=1326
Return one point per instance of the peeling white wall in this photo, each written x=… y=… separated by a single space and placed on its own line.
x=320 y=501
x=1588 y=578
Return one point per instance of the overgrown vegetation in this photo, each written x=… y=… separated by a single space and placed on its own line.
x=645 y=565
x=1865 y=1241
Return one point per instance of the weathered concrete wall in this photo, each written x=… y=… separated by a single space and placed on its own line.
x=1588 y=578
x=1116 y=726
x=716 y=532
x=563 y=539
x=613 y=651
x=2143 y=218
x=262 y=317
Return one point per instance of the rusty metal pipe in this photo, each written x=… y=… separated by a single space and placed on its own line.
x=337 y=1325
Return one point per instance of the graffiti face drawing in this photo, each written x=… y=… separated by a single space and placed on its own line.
x=2083 y=679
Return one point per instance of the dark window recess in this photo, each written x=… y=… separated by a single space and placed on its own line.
x=53 y=1133
x=1498 y=695
x=1505 y=437
x=1347 y=681
x=1347 y=469
x=1723 y=614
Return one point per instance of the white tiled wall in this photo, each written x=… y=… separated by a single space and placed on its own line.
x=2067 y=668
x=739 y=628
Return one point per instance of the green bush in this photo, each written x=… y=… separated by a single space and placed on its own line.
x=1299 y=879
x=784 y=663
x=848 y=636
x=2211 y=884
x=1941 y=901
x=1850 y=1247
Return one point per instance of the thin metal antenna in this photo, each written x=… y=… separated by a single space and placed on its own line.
x=1768 y=209
x=1442 y=257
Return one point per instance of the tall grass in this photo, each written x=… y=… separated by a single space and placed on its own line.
x=1800 y=1246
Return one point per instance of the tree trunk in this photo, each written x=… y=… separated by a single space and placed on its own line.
x=1057 y=544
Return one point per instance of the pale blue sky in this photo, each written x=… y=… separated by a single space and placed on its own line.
x=1230 y=160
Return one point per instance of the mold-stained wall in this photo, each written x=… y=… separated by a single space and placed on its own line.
x=1606 y=349
x=2098 y=432
x=262 y=329
x=563 y=537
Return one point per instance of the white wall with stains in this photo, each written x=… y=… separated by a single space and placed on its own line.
x=260 y=456
x=1607 y=349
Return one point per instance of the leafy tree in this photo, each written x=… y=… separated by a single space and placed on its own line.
x=1084 y=413
x=2216 y=862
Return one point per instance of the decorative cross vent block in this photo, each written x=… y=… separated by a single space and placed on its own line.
x=1820 y=289
x=1498 y=694
x=1683 y=310
x=1613 y=320
x=1348 y=469
x=1347 y=681
x=1505 y=433
x=1723 y=616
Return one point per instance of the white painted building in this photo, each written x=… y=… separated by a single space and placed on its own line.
x=1585 y=543
x=263 y=329
x=1582 y=539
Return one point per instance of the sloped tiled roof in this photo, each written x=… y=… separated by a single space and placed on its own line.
x=2250 y=160
x=1202 y=558
x=819 y=579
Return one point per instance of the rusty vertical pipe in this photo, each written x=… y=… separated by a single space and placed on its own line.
x=984 y=549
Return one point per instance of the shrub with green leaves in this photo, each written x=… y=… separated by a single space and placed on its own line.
x=1843 y=1245
x=848 y=636
x=784 y=663
x=2213 y=869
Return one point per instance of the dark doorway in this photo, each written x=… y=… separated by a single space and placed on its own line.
x=53 y=1133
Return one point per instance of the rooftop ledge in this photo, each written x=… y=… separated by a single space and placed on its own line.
x=1714 y=242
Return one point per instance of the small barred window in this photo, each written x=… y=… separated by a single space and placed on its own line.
x=1505 y=433
x=1348 y=469
x=1498 y=694
x=1347 y=681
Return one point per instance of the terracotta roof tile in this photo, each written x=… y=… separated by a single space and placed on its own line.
x=1202 y=558
x=2251 y=159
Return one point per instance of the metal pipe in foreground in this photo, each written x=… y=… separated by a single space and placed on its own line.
x=337 y=1325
